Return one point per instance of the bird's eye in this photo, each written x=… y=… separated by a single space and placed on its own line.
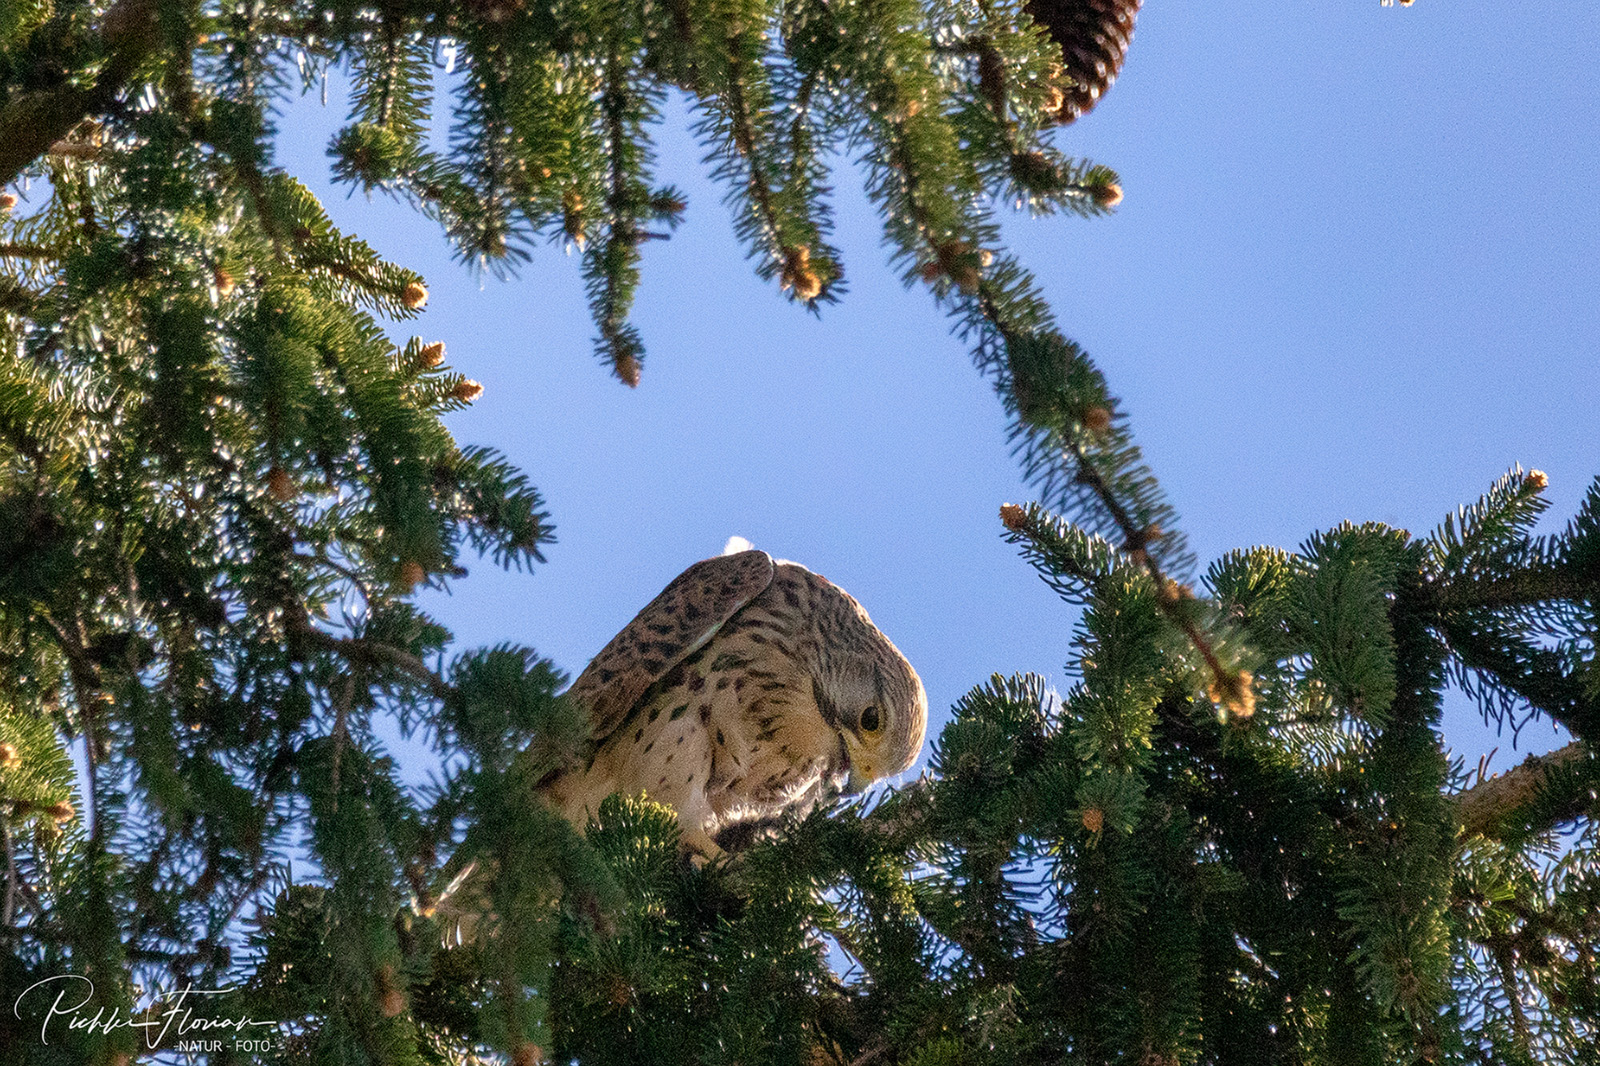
x=871 y=721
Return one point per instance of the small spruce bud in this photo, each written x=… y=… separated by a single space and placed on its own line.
x=1013 y=517
x=626 y=368
x=527 y=1054
x=1108 y=195
x=797 y=273
x=7 y=201
x=414 y=295
x=466 y=390
x=1538 y=479
x=1234 y=693
x=1094 y=819
x=223 y=281
x=8 y=756
x=572 y=220
x=60 y=812
x=957 y=260
x=412 y=573
x=1097 y=419
x=1056 y=82
x=280 y=484
x=431 y=357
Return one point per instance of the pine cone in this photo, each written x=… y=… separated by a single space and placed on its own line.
x=1094 y=36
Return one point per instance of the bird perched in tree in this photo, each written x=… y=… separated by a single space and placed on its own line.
x=747 y=689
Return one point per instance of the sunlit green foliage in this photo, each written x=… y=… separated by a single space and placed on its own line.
x=1234 y=840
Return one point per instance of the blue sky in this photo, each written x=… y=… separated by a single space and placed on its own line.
x=1354 y=276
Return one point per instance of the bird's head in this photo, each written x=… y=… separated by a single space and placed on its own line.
x=876 y=701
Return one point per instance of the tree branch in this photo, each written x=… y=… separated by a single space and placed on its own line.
x=376 y=653
x=1506 y=803
x=32 y=122
x=1538 y=674
x=1525 y=588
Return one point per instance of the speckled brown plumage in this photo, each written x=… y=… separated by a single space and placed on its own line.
x=748 y=688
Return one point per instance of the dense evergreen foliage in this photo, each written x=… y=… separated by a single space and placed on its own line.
x=1234 y=840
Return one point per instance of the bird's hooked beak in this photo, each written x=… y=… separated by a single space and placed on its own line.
x=858 y=782
x=858 y=777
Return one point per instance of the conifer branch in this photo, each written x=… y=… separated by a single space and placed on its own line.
x=86 y=690
x=615 y=259
x=779 y=228
x=951 y=261
x=34 y=121
x=1229 y=687
x=1525 y=588
x=375 y=653
x=65 y=149
x=1500 y=949
x=9 y=250
x=1502 y=805
x=1536 y=674
x=16 y=298
x=54 y=934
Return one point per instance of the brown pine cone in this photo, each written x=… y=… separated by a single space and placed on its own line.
x=1094 y=36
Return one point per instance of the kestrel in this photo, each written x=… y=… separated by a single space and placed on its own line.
x=745 y=690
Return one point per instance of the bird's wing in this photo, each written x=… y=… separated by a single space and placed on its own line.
x=676 y=624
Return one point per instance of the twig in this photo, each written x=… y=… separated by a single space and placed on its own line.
x=10 y=907
x=341 y=732
x=373 y=653
x=1500 y=948
x=85 y=679
x=76 y=150
x=10 y=250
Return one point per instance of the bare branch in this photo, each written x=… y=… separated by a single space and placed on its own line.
x=1498 y=806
